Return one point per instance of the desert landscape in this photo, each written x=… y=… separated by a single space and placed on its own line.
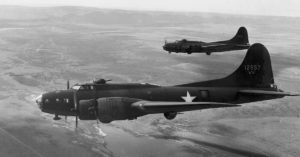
x=43 y=47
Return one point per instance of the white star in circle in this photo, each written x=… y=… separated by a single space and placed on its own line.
x=188 y=97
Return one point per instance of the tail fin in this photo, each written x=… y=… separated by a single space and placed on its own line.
x=241 y=37
x=255 y=71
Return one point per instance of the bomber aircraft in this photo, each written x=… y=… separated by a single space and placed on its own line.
x=238 y=42
x=252 y=81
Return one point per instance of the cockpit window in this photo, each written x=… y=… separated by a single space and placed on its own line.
x=83 y=87
x=76 y=87
x=86 y=87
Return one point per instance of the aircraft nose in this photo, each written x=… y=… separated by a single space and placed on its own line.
x=166 y=47
x=39 y=101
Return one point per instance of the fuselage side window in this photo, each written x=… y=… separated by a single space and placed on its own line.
x=204 y=94
x=66 y=100
x=46 y=100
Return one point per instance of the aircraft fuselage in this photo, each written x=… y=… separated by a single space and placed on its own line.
x=200 y=47
x=62 y=102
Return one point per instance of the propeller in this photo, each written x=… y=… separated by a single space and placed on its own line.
x=68 y=87
x=68 y=84
x=76 y=108
x=76 y=105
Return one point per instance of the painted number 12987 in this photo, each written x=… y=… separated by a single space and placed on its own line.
x=251 y=69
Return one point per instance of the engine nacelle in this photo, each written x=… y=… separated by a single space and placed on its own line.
x=87 y=109
x=108 y=109
x=170 y=115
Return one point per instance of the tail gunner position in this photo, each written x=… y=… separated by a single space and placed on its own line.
x=252 y=81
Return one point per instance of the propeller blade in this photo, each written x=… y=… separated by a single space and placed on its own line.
x=68 y=84
x=76 y=121
x=76 y=108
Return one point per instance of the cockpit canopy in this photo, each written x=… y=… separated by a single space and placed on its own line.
x=90 y=86
x=181 y=41
x=83 y=87
x=76 y=87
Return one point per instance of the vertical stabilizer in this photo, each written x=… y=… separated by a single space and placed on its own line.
x=255 y=71
x=241 y=36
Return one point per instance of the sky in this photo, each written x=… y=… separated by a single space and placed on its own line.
x=252 y=7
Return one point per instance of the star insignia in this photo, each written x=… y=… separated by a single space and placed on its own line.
x=188 y=97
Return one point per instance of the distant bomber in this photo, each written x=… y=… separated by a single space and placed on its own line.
x=238 y=42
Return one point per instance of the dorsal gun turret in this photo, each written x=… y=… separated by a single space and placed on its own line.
x=101 y=81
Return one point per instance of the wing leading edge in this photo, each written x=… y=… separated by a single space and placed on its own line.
x=162 y=107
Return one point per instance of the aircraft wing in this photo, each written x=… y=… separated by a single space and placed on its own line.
x=223 y=44
x=264 y=92
x=213 y=45
x=162 y=107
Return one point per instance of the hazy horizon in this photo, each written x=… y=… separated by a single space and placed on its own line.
x=161 y=11
x=245 y=7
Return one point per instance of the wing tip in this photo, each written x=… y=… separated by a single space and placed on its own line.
x=293 y=94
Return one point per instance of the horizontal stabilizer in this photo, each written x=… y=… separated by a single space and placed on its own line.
x=264 y=92
x=162 y=107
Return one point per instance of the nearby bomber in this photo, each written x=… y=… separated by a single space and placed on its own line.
x=252 y=81
x=238 y=42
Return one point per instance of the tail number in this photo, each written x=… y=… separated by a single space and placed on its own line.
x=251 y=69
